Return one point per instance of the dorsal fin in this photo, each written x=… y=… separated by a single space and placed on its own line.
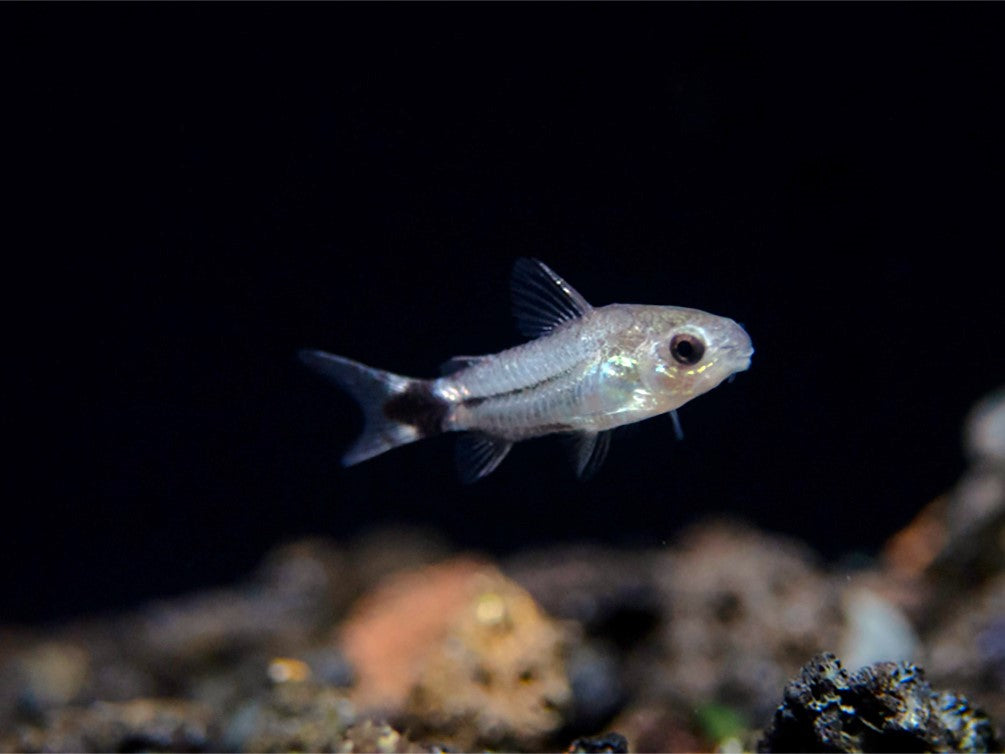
x=457 y=363
x=542 y=300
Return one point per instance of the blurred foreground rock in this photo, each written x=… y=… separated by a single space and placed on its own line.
x=141 y=725
x=397 y=643
x=947 y=569
x=463 y=654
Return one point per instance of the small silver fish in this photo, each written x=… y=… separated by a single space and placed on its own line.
x=587 y=371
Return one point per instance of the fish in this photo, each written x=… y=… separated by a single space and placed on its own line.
x=585 y=371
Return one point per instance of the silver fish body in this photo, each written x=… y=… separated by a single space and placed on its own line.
x=588 y=371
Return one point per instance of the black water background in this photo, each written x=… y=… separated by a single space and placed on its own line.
x=197 y=191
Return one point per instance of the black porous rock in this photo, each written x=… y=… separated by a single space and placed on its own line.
x=883 y=707
x=614 y=743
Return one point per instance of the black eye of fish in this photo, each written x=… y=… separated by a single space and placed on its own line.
x=687 y=349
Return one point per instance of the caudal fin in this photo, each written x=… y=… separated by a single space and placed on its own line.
x=396 y=410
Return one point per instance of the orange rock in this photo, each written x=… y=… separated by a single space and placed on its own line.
x=912 y=549
x=390 y=630
x=462 y=652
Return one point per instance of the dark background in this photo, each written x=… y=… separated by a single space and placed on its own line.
x=198 y=191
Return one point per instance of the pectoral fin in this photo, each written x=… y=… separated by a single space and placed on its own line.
x=590 y=451
x=678 y=430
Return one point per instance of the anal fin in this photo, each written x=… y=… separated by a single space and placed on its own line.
x=478 y=454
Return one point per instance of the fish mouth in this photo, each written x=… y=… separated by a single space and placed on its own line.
x=739 y=354
x=741 y=349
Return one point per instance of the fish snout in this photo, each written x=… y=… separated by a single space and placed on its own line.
x=738 y=347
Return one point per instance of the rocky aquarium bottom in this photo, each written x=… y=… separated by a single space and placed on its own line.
x=718 y=642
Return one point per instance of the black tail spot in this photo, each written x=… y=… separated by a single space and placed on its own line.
x=418 y=407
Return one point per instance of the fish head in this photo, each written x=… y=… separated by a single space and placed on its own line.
x=689 y=352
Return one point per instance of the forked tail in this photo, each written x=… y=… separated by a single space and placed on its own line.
x=396 y=410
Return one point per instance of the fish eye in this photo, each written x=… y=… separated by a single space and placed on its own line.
x=687 y=349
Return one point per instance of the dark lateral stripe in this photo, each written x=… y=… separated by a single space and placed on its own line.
x=474 y=402
x=417 y=407
x=548 y=429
